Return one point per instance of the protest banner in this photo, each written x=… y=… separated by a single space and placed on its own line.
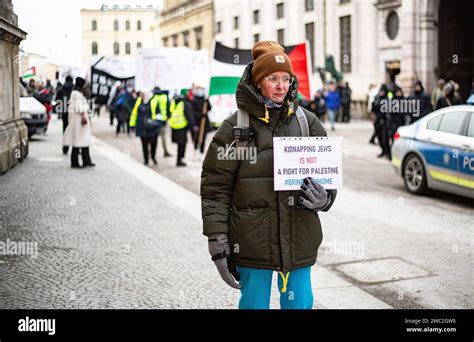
x=296 y=158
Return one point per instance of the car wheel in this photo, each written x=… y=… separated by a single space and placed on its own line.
x=414 y=175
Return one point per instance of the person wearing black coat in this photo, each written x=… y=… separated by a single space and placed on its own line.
x=345 y=101
x=319 y=106
x=449 y=97
x=63 y=95
x=380 y=121
x=396 y=118
x=147 y=135
x=423 y=100
x=179 y=136
x=200 y=118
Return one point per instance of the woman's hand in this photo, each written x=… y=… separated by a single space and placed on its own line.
x=315 y=196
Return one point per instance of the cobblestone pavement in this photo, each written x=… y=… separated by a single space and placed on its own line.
x=124 y=235
x=374 y=233
x=104 y=239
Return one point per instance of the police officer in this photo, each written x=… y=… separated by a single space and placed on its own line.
x=160 y=99
x=179 y=121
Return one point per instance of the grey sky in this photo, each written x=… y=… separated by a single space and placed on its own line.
x=54 y=27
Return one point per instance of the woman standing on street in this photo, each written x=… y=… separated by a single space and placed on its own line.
x=147 y=126
x=78 y=132
x=253 y=230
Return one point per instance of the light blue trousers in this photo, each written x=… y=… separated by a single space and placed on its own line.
x=257 y=286
x=332 y=116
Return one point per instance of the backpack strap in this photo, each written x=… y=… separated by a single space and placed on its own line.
x=243 y=120
x=303 y=121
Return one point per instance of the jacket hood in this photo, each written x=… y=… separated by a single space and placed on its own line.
x=249 y=99
x=420 y=84
x=160 y=92
x=68 y=86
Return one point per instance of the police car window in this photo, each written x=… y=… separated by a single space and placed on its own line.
x=452 y=122
x=433 y=124
x=470 y=128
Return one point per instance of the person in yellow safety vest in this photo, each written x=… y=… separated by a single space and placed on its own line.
x=141 y=112
x=179 y=121
x=160 y=100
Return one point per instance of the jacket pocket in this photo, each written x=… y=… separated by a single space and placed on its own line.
x=307 y=234
x=249 y=234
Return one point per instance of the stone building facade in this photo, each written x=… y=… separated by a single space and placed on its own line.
x=187 y=23
x=370 y=40
x=118 y=31
x=13 y=131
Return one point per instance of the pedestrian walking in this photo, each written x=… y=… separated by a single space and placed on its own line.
x=123 y=107
x=253 y=230
x=345 y=93
x=63 y=96
x=202 y=125
x=370 y=100
x=180 y=121
x=396 y=114
x=333 y=102
x=437 y=92
x=78 y=132
x=379 y=117
x=147 y=126
x=319 y=105
x=423 y=101
x=160 y=99
x=449 y=97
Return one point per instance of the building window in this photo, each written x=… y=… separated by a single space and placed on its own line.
x=139 y=45
x=139 y=25
x=345 y=41
x=219 y=27
x=236 y=23
x=280 y=10
x=309 y=5
x=309 y=28
x=391 y=26
x=127 y=48
x=165 y=41
x=127 y=25
x=236 y=43
x=281 y=36
x=94 y=25
x=198 y=35
x=256 y=38
x=116 y=25
x=95 y=48
x=175 y=40
x=256 y=17
x=116 y=49
x=186 y=38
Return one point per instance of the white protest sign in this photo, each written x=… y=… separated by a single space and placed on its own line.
x=172 y=68
x=295 y=158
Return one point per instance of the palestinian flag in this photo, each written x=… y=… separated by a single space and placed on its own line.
x=31 y=72
x=228 y=65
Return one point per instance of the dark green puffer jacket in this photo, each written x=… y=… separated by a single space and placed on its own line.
x=265 y=228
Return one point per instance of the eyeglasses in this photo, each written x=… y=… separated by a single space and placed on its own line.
x=274 y=81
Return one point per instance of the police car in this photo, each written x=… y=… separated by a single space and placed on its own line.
x=437 y=152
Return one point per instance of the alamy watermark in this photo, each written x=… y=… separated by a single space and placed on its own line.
x=337 y=247
x=400 y=106
x=10 y=247
x=230 y=152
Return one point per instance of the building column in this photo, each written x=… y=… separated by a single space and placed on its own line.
x=428 y=50
x=13 y=131
x=408 y=66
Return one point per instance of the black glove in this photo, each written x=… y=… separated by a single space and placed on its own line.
x=220 y=252
x=314 y=196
